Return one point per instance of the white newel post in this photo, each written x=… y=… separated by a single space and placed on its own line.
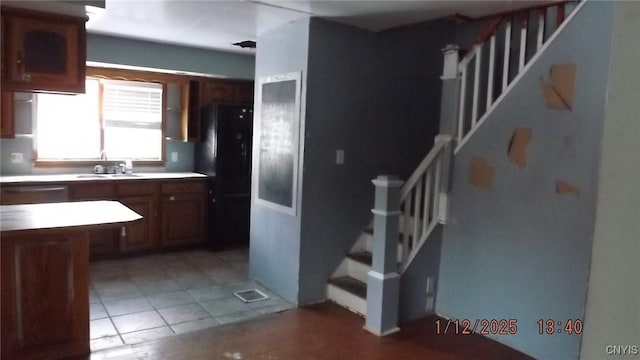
x=383 y=283
x=450 y=91
x=449 y=122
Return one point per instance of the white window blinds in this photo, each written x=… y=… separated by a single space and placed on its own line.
x=132 y=104
x=132 y=115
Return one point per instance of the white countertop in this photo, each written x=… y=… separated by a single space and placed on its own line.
x=64 y=215
x=91 y=177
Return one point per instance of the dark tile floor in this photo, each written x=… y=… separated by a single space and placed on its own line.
x=149 y=297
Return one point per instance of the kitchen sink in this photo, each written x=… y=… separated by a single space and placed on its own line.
x=124 y=175
x=105 y=176
x=91 y=176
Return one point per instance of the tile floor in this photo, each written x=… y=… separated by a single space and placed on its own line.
x=149 y=297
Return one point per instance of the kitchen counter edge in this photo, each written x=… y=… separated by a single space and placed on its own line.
x=73 y=178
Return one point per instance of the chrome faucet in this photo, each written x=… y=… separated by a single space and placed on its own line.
x=103 y=155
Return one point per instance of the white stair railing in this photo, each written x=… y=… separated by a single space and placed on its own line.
x=423 y=202
x=544 y=21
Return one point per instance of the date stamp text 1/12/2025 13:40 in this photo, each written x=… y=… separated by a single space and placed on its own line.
x=505 y=326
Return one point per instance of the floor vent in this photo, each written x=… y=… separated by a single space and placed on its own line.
x=251 y=295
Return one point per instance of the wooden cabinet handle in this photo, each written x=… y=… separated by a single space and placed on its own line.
x=19 y=62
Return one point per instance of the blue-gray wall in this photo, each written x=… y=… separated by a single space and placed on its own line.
x=275 y=236
x=518 y=250
x=376 y=96
x=116 y=50
x=122 y=51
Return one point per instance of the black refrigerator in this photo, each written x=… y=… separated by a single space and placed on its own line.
x=224 y=155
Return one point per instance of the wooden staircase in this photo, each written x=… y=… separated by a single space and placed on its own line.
x=483 y=82
x=348 y=285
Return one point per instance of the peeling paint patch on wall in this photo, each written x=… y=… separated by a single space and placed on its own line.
x=563 y=187
x=480 y=172
x=518 y=147
x=559 y=91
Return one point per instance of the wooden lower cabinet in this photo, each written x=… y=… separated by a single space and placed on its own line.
x=102 y=242
x=183 y=219
x=45 y=298
x=174 y=212
x=141 y=235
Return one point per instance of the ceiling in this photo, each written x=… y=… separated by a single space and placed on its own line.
x=216 y=24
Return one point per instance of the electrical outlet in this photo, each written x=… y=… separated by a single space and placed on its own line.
x=429 y=306
x=16 y=158
x=430 y=284
x=340 y=157
x=174 y=156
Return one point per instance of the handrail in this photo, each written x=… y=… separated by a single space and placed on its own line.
x=489 y=30
x=439 y=144
x=421 y=207
x=516 y=11
x=498 y=18
x=494 y=78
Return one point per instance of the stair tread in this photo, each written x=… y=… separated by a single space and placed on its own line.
x=347 y=283
x=364 y=257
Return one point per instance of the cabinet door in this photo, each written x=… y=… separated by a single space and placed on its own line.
x=6 y=115
x=45 y=299
x=45 y=54
x=243 y=93
x=183 y=219
x=102 y=242
x=192 y=124
x=216 y=92
x=138 y=236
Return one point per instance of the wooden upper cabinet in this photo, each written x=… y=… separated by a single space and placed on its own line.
x=43 y=52
x=216 y=92
x=226 y=92
x=243 y=93
x=7 y=129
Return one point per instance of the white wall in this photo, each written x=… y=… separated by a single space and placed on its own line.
x=613 y=300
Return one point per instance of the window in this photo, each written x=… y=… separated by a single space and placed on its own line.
x=123 y=118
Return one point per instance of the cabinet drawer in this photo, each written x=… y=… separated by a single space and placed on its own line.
x=94 y=191
x=12 y=195
x=184 y=187
x=134 y=189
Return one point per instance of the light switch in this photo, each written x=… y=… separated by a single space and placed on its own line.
x=174 y=156
x=340 y=157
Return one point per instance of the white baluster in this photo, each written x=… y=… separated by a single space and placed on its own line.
x=427 y=200
x=507 y=51
x=476 y=86
x=416 y=210
x=406 y=248
x=492 y=60
x=463 y=91
x=540 y=29
x=436 y=191
x=523 y=44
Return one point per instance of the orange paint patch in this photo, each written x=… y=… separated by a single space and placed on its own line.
x=480 y=172
x=566 y=188
x=518 y=147
x=559 y=91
